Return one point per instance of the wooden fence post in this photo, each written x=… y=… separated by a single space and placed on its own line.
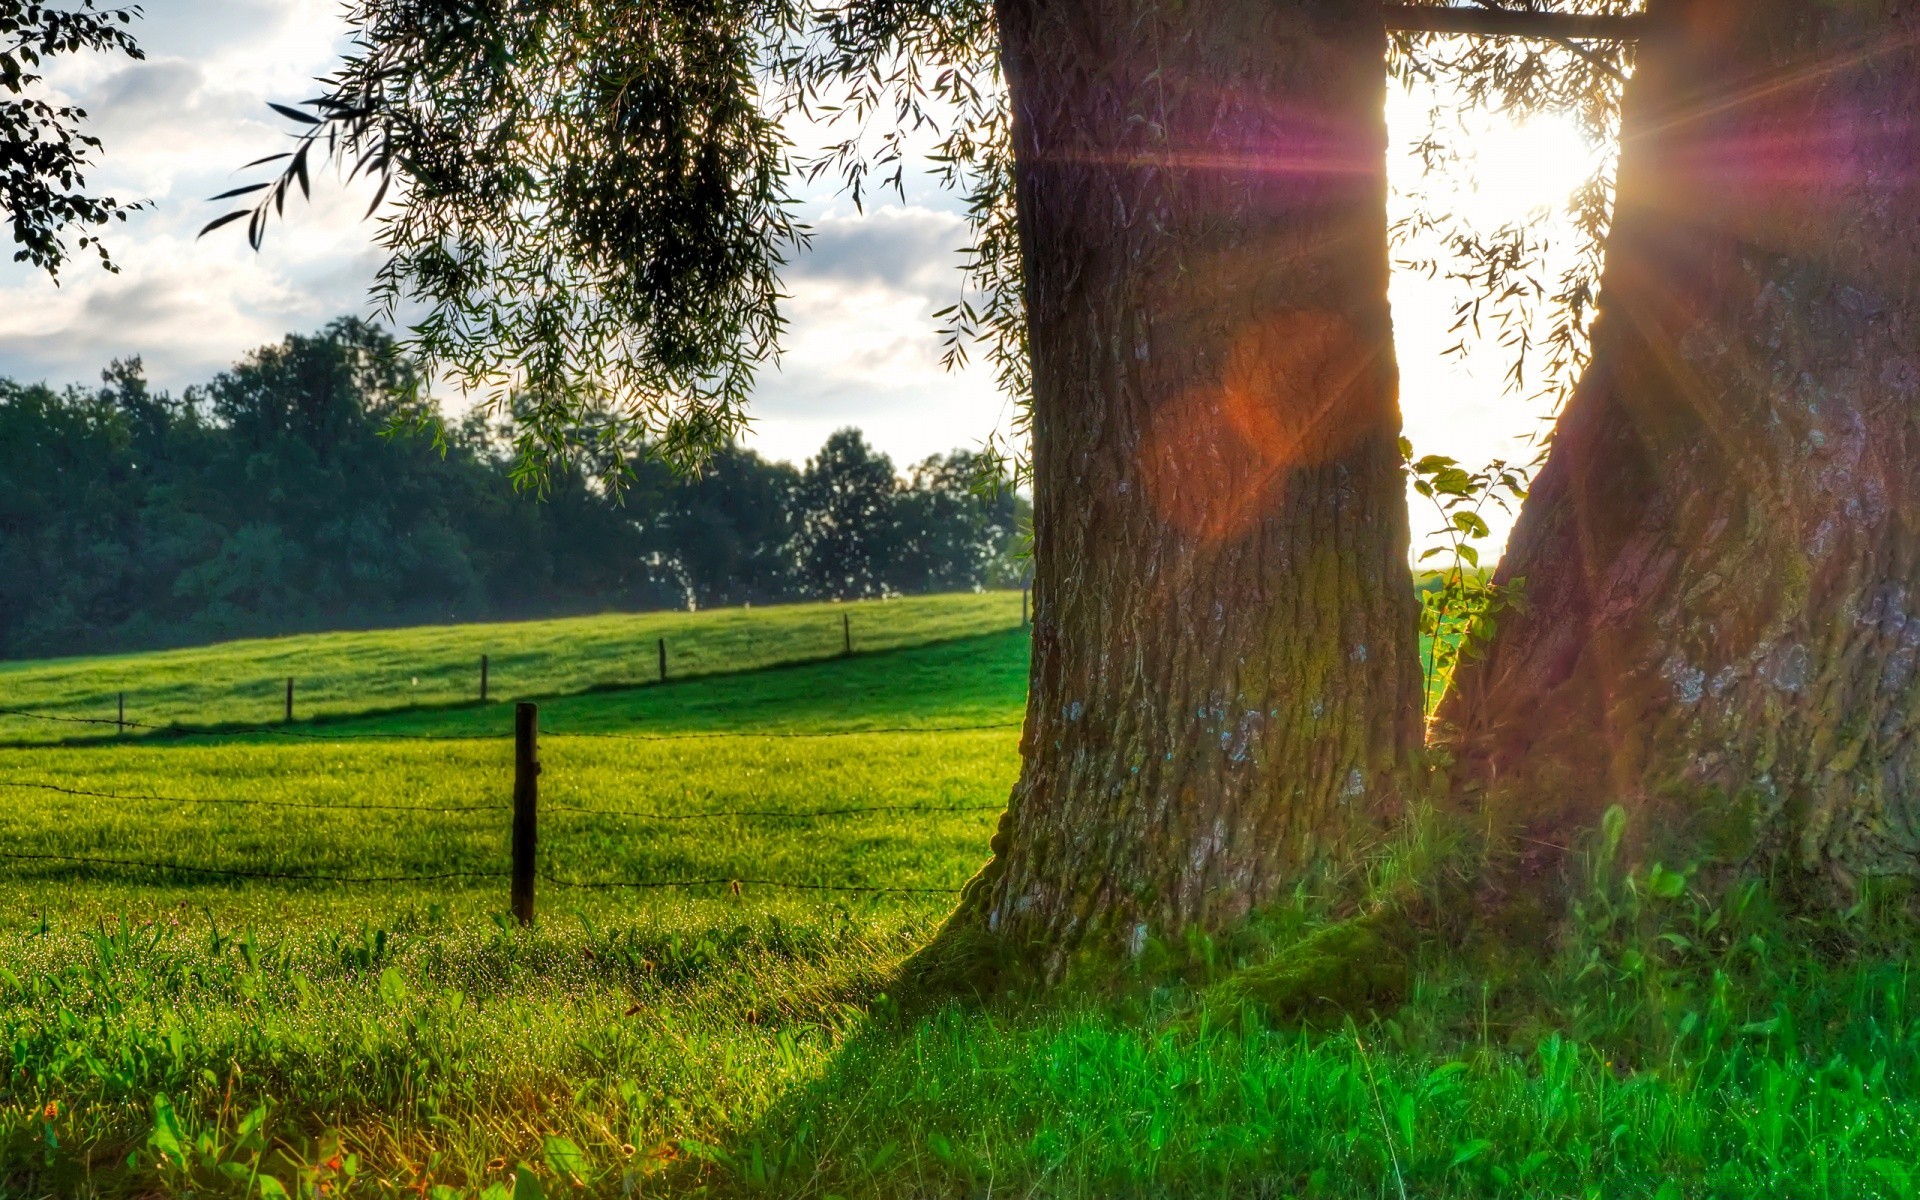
x=526 y=803
x=483 y=679
x=289 y=699
x=120 y=717
x=663 y=660
x=846 y=634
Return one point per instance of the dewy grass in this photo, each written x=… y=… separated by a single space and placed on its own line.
x=162 y=1034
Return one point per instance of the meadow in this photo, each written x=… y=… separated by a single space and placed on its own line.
x=734 y=864
x=428 y=670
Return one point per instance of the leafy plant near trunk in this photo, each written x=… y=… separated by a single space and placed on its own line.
x=1461 y=603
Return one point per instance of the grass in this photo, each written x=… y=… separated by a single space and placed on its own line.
x=166 y=1034
x=430 y=668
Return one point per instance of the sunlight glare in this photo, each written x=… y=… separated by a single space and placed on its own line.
x=1458 y=404
x=1521 y=168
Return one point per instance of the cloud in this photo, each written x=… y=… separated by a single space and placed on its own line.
x=862 y=347
x=207 y=27
x=912 y=249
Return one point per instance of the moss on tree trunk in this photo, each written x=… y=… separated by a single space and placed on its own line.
x=1723 y=549
x=1225 y=683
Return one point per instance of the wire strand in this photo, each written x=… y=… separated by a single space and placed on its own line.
x=643 y=815
x=237 y=801
x=243 y=873
x=251 y=730
x=287 y=731
x=739 y=881
x=556 y=880
x=823 y=733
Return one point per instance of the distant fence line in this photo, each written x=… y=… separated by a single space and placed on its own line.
x=524 y=867
x=703 y=735
x=121 y=722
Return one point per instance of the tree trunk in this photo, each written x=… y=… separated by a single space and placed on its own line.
x=1225 y=683
x=1720 y=552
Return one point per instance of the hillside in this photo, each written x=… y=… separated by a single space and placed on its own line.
x=431 y=671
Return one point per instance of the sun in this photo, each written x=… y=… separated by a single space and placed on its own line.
x=1454 y=395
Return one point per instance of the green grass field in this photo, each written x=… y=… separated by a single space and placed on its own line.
x=168 y=1033
x=428 y=669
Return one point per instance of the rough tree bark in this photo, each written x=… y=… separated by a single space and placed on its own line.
x=1225 y=683
x=1723 y=549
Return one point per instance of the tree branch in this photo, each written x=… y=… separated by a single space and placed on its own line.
x=1494 y=22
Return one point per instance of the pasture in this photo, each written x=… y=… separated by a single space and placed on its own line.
x=733 y=865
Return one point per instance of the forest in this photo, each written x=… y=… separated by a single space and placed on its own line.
x=306 y=488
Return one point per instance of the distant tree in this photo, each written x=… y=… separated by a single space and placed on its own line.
x=947 y=533
x=64 y=514
x=727 y=531
x=297 y=490
x=326 y=391
x=843 y=515
x=280 y=496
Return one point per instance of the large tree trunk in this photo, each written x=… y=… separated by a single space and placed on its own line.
x=1721 y=551
x=1225 y=682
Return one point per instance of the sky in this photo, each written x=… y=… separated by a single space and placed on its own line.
x=861 y=349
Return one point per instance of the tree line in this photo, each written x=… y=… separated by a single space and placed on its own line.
x=304 y=489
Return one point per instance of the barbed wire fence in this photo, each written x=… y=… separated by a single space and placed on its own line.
x=524 y=867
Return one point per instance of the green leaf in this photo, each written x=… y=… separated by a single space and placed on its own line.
x=1895 y=1172
x=1664 y=884
x=564 y=1158
x=252 y=1121
x=393 y=988
x=1470 y=524
x=526 y=1185
x=1441 y=1074
x=166 y=1137
x=1613 y=826
x=1466 y=1152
